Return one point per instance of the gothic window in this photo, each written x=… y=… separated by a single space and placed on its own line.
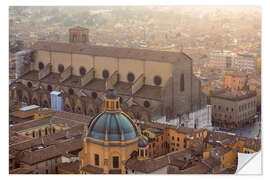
x=130 y=77
x=105 y=74
x=121 y=99
x=82 y=71
x=182 y=83
x=29 y=84
x=96 y=159
x=61 y=68
x=157 y=80
x=146 y=104
x=49 y=88
x=40 y=65
x=94 y=95
x=115 y=162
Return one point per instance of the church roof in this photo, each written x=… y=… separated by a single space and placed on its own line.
x=116 y=52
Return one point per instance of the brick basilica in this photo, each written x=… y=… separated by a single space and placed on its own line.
x=149 y=83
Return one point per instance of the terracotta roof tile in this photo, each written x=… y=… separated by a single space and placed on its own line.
x=147 y=166
x=143 y=54
x=72 y=167
x=92 y=169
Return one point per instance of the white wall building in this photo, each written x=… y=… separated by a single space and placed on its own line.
x=200 y=118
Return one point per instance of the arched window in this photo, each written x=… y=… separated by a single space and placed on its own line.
x=49 y=88
x=146 y=104
x=157 y=80
x=96 y=159
x=105 y=73
x=182 y=82
x=121 y=100
x=71 y=92
x=142 y=153
x=29 y=84
x=61 y=68
x=130 y=77
x=94 y=95
x=40 y=65
x=115 y=162
x=82 y=71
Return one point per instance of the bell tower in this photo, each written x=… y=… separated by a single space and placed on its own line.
x=78 y=35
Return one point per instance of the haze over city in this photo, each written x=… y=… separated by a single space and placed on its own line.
x=134 y=89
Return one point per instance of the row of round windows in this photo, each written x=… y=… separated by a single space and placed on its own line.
x=93 y=94
x=130 y=76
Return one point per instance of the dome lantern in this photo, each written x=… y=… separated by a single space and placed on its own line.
x=112 y=101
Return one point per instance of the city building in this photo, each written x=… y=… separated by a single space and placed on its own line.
x=237 y=81
x=222 y=59
x=233 y=109
x=200 y=118
x=245 y=62
x=76 y=145
x=149 y=83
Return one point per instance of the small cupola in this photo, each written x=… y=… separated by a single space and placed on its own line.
x=112 y=101
x=142 y=148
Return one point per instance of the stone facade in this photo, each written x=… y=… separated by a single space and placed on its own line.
x=233 y=111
